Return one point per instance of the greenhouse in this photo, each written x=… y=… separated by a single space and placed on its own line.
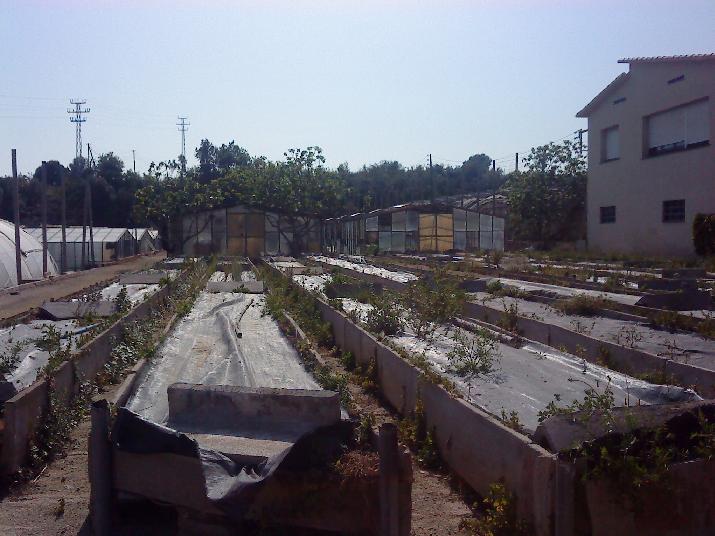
x=414 y=227
x=30 y=260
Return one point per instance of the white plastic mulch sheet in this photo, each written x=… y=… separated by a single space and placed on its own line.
x=205 y=348
x=136 y=293
x=313 y=283
x=21 y=340
x=526 y=379
x=400 y=277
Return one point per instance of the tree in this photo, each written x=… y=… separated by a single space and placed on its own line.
x=547 y=201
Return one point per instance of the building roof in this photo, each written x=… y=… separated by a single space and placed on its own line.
x=669 y=59
x=73 y=233
x=598 y=99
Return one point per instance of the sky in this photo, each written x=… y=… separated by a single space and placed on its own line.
x=365 y=80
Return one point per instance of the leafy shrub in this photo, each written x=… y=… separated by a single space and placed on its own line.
x=704 y=234
x=431 y=303
x=473 y=354
x=384 y=316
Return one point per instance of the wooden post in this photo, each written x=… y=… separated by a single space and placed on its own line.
x=43 y=176
x=18 y=251
x=63 y=216
x=100 y=469
x=389 y=481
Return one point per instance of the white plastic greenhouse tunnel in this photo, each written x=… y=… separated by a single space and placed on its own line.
x=31 y=257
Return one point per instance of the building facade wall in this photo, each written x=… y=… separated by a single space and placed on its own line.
x=637 y=184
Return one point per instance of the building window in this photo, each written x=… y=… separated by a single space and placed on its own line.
x=608 y=214
x=674 y=211
x=678 y=129
x=610 y=144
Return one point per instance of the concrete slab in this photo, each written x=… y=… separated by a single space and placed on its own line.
x=249 y=287
x=238 y=409
x=65 y=310
x=144 y=278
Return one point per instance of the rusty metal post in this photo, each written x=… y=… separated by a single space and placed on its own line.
x=389 y=481
x=100 y=469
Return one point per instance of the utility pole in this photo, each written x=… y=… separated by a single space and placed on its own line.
x=43 y=175
x=431 y=179
x=183 y=125
x=134 y=159
x=63 y=217
x=580 y=132
x=90 y=158
x=516 y=162
x=18 y=252
x=494 y=165
x=78 y=120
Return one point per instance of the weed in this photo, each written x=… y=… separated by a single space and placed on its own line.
x=592 y=402
x=580 y=327
x=348 y=360
x=510 y=319
x=512 y=420
x=122 y=301
x=430 y=304
x=473 y=354
x=385 y=316
x=10 y=360
x=580 y=305
x=364 y=429
x=628 y=336
x=500 y=517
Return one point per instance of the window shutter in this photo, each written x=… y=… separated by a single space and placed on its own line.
x=612 y=149
x=697 y=122
x=667 y=128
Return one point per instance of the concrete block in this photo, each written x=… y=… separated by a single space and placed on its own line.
x=64 y=382
x=235 y=408
x=482 y=451
x=22 y=415
x=368 y=348
x=684 y=300
x=398 y=380
x=351 y=338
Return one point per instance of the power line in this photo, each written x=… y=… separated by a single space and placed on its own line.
x=78 y=120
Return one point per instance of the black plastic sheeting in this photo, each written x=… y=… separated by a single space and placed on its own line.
x=231 y=484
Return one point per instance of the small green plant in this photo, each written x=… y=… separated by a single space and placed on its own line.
x=499 y=515
x=10 y=359
x=512 y=420
x=495 y=286
x=628 y=336
x=510 y=318
x=580 y=327
x=473 y=354
x=593 y=402
x=122 y=301
x=364 y=429
x=348 y=360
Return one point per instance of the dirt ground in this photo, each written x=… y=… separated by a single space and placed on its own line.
x=29 y=298
x=57 y=502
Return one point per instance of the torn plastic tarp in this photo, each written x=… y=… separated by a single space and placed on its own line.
x=231 y=483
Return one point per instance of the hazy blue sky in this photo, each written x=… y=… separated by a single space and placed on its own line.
x=365 y=80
